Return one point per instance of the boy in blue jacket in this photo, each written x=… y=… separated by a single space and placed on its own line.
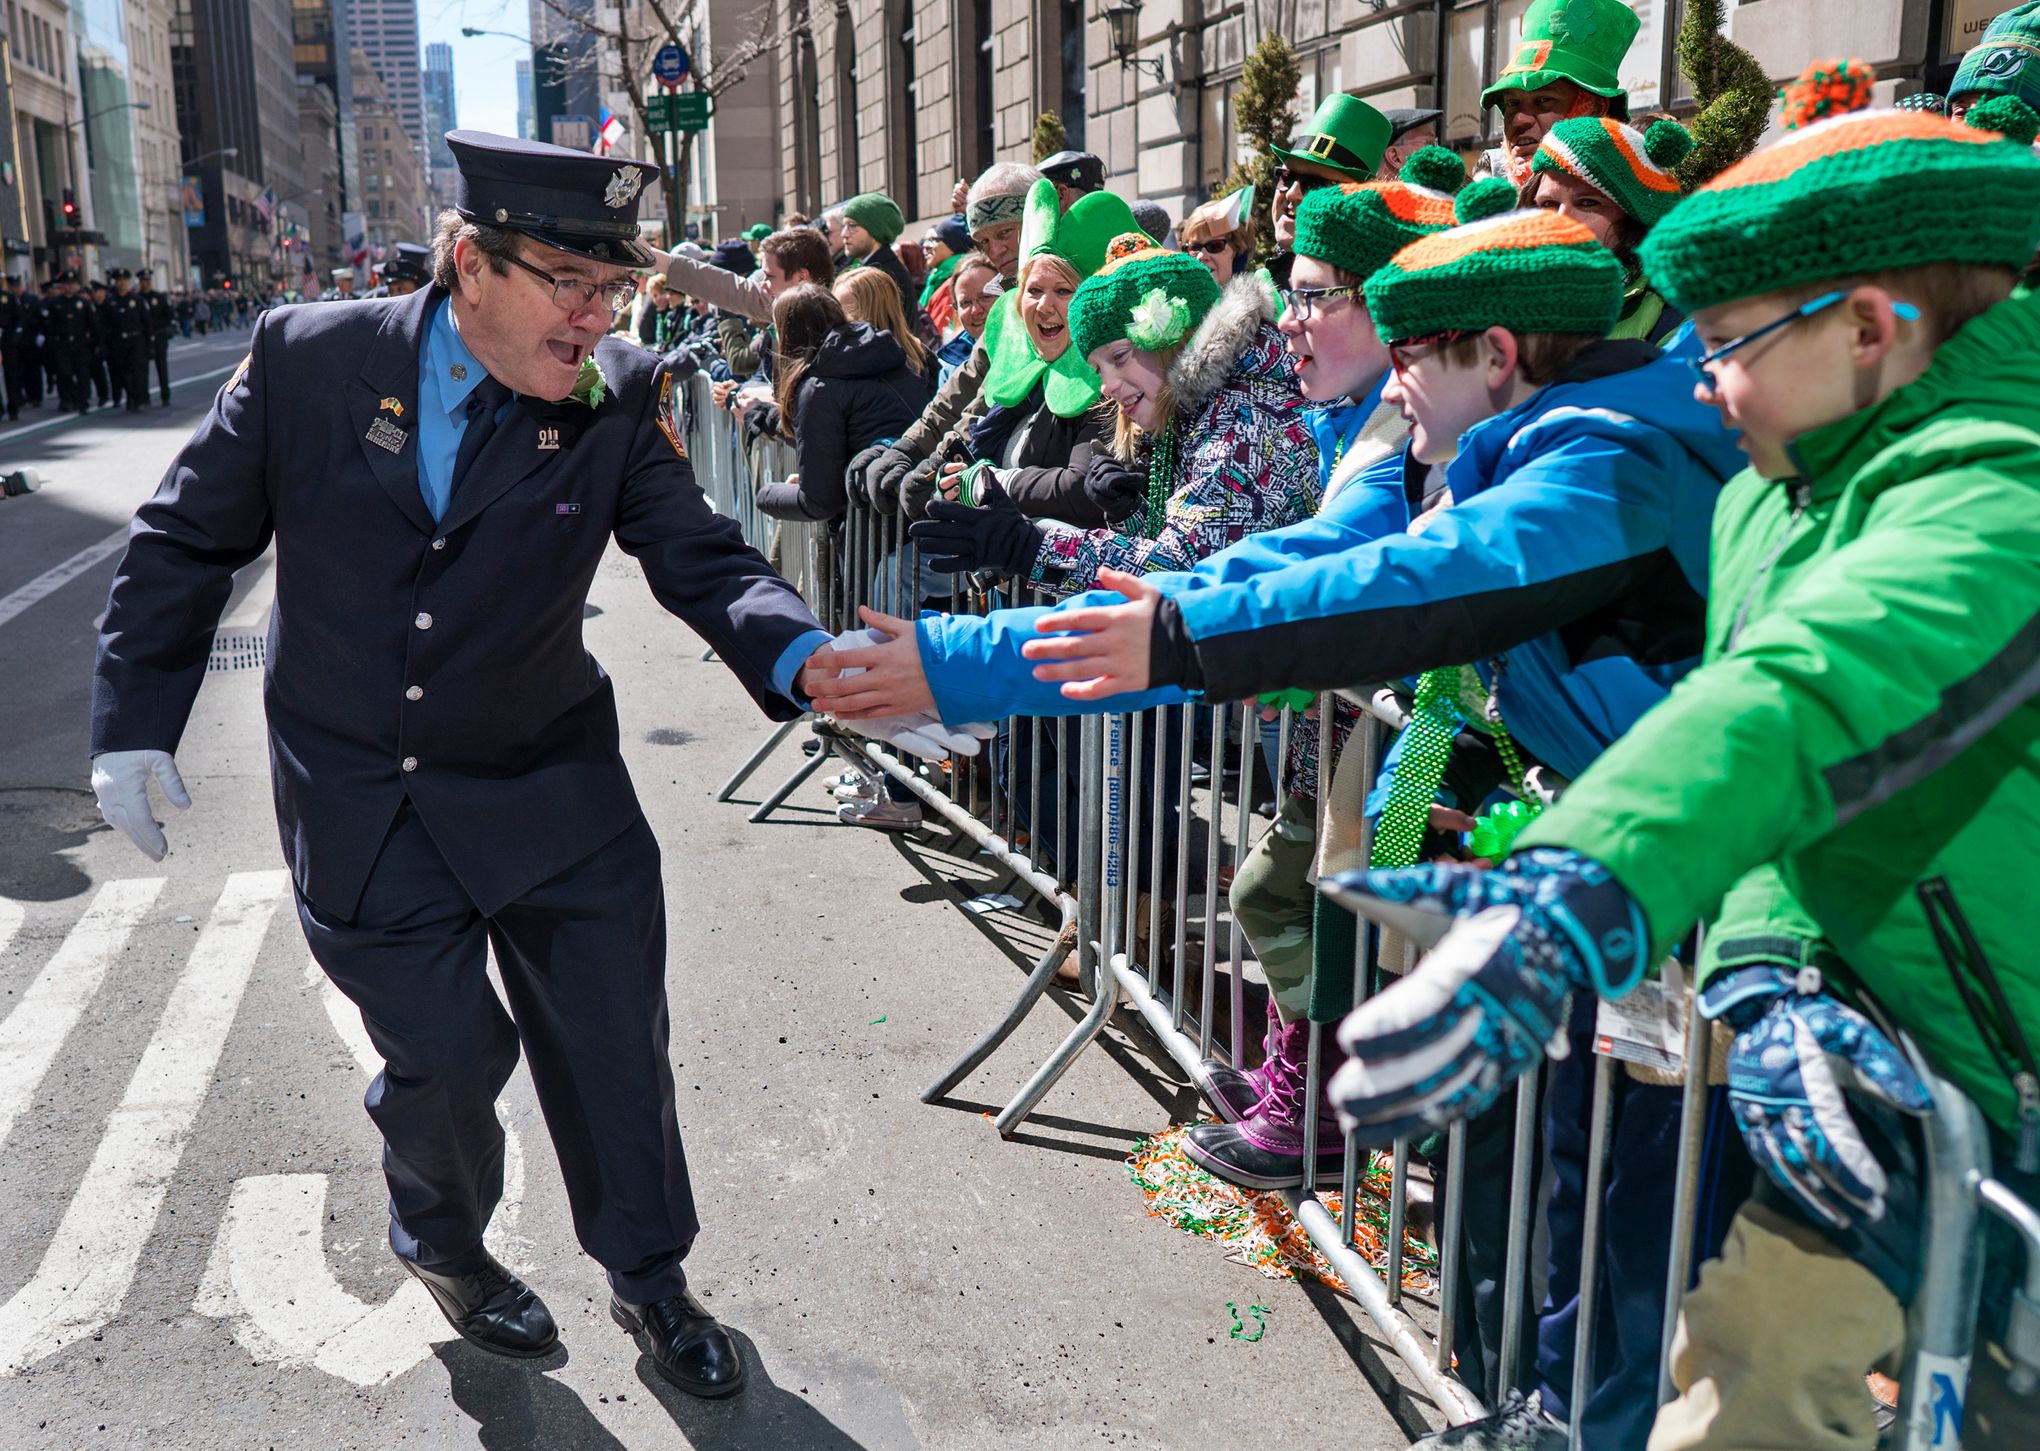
x=1569 y=568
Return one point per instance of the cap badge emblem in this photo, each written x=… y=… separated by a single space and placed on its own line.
x=623 y=187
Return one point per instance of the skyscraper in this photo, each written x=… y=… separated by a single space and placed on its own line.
x=386 y=31
x=441 y=116
x=524 y=101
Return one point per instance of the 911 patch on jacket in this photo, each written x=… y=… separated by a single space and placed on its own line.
x=668 y=415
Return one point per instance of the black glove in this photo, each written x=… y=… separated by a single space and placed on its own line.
x=882 y=479
x=854 y=482
x=957 y=539
x=917 y=487
x=1117 y=488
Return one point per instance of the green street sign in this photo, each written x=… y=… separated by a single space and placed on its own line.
x=687 y=111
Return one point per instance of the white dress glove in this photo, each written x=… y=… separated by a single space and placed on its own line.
x=120 y=779
x=920 y=733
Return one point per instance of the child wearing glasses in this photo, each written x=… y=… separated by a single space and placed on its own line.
x=1831 y=788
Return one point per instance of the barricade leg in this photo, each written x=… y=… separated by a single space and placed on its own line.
x=792 y=783
x=772 y=742
x=1686 y=1186
x=1590 y=1243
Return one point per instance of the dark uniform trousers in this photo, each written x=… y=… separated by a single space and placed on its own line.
x=583 y=959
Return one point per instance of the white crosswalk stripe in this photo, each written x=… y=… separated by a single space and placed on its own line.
x=51 y=1006
x=92 y=1258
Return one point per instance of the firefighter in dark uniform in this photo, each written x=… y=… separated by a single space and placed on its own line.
x=408 y=269
x=162 y=324
x=70 y=333
x=124 y=324
x=28 y=347
x=444 y=750
x=102 y=376
x=15 y=319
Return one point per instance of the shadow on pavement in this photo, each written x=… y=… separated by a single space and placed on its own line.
x=38 y=824
x=763 y=1416
x=516 y=1407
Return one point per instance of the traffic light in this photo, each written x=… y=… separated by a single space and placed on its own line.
x=71 y=217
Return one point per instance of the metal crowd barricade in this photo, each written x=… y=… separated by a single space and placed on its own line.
x=1127 y=901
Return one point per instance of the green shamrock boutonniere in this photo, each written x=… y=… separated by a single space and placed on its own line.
x=1158 y=321
x=590 y=387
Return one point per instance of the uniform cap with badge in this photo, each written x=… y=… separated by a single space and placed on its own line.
x=571 y=200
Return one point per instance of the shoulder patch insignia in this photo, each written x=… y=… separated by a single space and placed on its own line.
x=668 y=416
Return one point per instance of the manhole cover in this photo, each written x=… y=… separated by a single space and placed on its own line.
x=237 y=650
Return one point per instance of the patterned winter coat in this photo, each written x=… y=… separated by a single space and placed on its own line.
x=1247 y=461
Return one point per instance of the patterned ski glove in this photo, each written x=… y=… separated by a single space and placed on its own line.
x=1797 y=1053
x=957 y=539
x=1508 y=948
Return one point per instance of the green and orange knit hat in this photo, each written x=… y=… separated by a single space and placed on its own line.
x=1359 y=226
x=1842 y=195
x=1631 y=168
x=1151 y=297
x=1527 y=271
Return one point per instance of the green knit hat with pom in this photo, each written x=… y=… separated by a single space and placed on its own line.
x=1852 y=194
x=1631 y=168
x=1150 y=297
x=1359 y=226
x=1527 y=271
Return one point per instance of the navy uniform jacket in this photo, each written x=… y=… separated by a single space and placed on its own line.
x=454 y=648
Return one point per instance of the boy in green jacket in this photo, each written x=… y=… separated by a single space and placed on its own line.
x=1848 y=789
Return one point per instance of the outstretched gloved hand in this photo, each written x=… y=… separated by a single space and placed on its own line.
x=1797 y=1053
x=1509 y=947
x=120 y=779
x=918 y=733
x=957 y=539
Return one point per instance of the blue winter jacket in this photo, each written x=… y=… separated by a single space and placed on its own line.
x=1571 y=568
x=1574 y=556
x=973 y=662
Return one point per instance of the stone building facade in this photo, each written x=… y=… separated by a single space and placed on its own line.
x=904 y=96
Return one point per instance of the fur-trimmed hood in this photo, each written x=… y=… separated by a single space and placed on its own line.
x=1234 y=340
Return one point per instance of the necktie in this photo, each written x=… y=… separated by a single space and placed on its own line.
x=482 y=407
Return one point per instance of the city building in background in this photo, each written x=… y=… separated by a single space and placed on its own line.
x=524 y=111
x=904 y=98
x=237 y=115
x=322 y=55
x=442 y=115
x=318 y=116
x=165 y=247
x=567 y=70
x=386 y=32
x=394 y=202
x=49 y=152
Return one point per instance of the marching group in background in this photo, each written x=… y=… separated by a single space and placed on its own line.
x=1685 y=491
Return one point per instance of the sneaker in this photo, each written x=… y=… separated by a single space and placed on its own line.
x=881 y=814
x=854 y=786
x=1520 y=1423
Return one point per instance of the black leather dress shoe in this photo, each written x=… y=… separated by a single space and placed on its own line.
x=492 y=1308
x=686 y=1343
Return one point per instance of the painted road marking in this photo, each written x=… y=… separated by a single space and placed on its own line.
x=26 y=429
x=51 y=580
x=53 y=1003
x=91 y=1261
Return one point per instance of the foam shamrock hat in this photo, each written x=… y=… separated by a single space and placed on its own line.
x=1079 y=237
x=1582 y=41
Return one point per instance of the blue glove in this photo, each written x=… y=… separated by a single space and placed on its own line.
x=1797 y=1053
x=1509 y=947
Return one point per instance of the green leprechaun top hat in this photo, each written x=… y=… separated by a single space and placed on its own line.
x=1344 y=135
x=1582 y=41
x=1079 y=237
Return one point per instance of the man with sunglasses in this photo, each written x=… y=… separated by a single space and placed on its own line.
x=447 y=469
x=1343 y=141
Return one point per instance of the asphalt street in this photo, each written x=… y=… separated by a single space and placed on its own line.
x=193 y=1251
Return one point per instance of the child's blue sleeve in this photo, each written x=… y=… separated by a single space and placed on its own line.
x=976 y=672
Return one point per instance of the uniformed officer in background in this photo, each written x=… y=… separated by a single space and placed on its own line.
x=101 y=374
x=162 y=323
x=444 y=749
x=342 y=289
x=124 y=323
x=15 y=319
x=70 y=332
x=409 y=268
x=28 y=347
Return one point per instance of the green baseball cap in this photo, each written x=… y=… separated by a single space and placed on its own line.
x=1345 y=135
x=2006 y=62
x=1582 y=41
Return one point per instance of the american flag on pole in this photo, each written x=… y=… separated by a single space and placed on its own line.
x=609 y=132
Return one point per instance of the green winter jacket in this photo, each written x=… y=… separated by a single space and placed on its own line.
x=1868 y=716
